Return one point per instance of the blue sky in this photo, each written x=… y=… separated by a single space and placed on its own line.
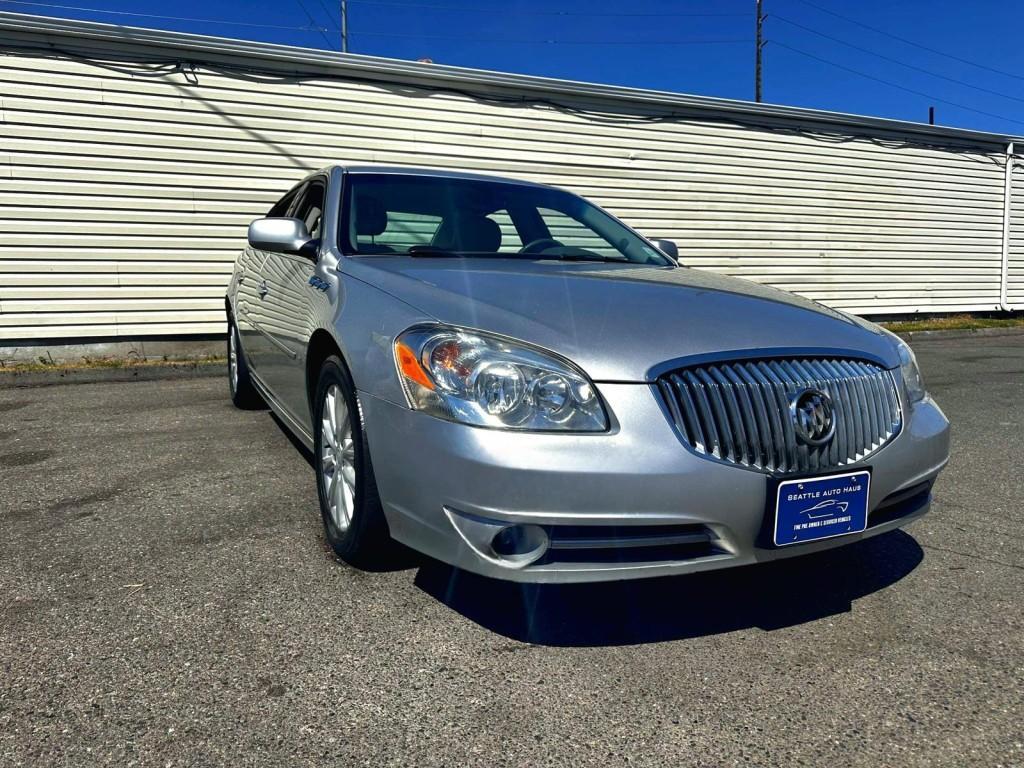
x=965 y=58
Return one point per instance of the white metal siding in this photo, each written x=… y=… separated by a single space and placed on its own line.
x=123 y=199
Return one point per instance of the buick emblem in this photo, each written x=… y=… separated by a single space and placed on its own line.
x=813 y=416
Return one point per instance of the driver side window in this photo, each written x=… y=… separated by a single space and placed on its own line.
x=282 y=206
x=311 y=208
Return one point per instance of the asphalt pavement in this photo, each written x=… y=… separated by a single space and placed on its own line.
x=166 y=598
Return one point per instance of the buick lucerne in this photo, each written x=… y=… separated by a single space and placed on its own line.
x=507 y=378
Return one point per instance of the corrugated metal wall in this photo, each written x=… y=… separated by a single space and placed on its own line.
x=123 y=199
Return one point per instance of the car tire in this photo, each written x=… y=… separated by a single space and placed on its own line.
x=349 y=503
x=240 y=387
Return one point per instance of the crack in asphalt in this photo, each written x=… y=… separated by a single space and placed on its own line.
x=972 y=556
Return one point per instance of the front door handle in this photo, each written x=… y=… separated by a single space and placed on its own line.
x=263 y=290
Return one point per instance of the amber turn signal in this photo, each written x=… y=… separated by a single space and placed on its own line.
x=410 y=366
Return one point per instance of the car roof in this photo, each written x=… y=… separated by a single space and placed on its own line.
x=408 y=170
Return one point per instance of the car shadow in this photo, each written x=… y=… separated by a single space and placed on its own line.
x=297 y=444
x=768 y=596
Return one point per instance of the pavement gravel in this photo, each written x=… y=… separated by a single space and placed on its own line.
x=167 y=598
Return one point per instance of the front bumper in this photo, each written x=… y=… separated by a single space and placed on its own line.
x=639 y=475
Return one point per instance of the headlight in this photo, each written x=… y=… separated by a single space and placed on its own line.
x=909 y=370
x=489 y=381
x=911 y=374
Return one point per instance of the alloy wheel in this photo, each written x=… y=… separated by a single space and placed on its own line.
x=337 y=457
x=233 y=358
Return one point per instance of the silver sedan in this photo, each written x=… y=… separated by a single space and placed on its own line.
x=505 y=377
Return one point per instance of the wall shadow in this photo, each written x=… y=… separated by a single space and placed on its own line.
x=769 y=596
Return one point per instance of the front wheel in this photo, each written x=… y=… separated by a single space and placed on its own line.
x=242 y=390
x=349 y=504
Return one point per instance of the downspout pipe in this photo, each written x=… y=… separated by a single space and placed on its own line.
x=1004 y=274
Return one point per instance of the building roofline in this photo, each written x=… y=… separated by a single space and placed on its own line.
x=385 y=169
x=312 y=60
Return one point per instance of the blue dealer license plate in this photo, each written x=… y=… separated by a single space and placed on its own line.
x=821 y=507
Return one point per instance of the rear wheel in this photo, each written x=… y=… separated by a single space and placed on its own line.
x=349 y=504
x=240 y=386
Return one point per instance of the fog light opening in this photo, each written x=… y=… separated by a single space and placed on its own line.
x=519 y=544
x=500 y=542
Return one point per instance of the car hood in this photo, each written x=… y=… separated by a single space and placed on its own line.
x=622 y=322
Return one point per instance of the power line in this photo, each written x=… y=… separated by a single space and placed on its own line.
x=892 y=60
x=343 y=21
x=315 y=27
x=161 y=16
x=588 y=14
x=474 y=39
x=912 y=42
x=160 y=66
x=894 y=85
x=313 y=23
x=327 y=12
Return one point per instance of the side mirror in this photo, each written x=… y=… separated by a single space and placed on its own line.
x=669 y=248
x=280 y=236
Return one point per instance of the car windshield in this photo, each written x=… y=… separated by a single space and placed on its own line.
x=438 y=216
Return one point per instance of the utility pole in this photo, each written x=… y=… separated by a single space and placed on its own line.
x=759 y=43
x=344 y=26
x=931 y=115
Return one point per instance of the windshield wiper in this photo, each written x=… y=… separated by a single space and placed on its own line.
x=429 y=250
x=577 y=257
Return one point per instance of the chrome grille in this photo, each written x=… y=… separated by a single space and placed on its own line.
x=739 y=412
